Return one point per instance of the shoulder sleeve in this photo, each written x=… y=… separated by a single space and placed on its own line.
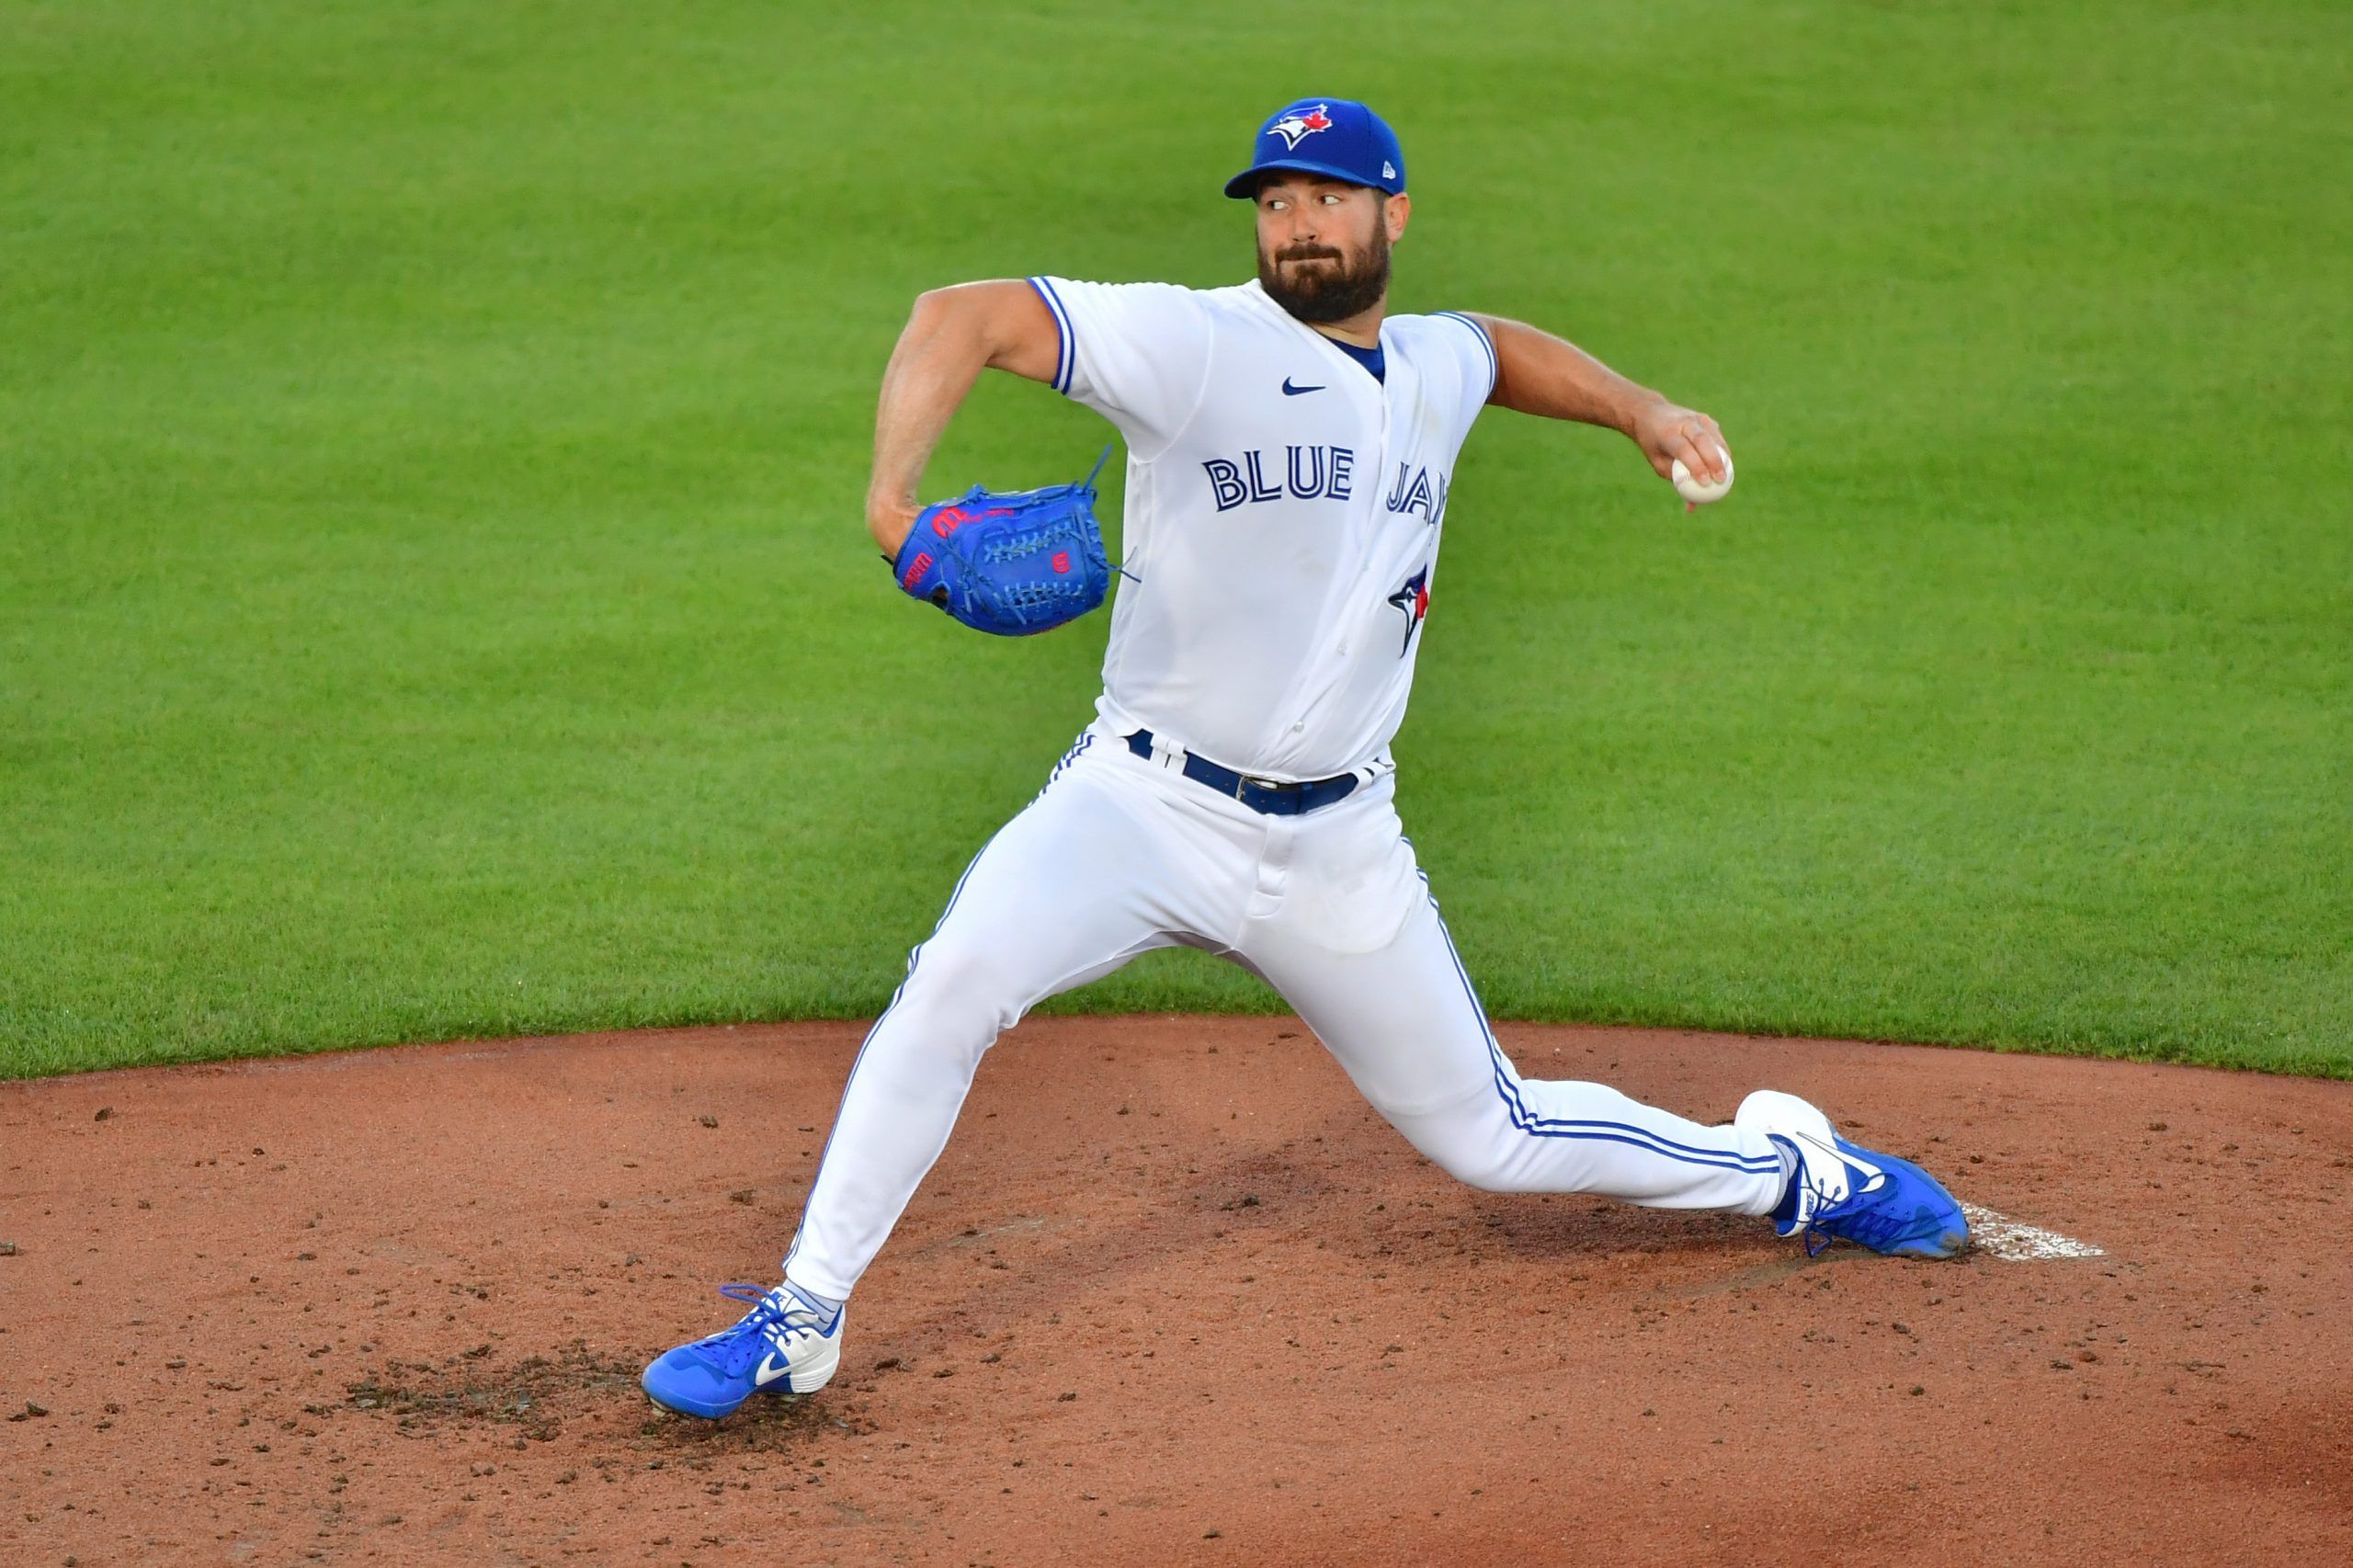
x=1476 y=352
x=1136 y=353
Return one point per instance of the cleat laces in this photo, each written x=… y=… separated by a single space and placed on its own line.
x=775 y=1316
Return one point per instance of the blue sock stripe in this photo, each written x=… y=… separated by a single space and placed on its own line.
x=1508 y=1090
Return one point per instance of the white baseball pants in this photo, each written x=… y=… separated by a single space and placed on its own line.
x=1119 y=855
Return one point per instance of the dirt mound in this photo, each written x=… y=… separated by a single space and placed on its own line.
x=1173 y=1294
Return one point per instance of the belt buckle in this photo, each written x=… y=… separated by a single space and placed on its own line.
x=1274 y=785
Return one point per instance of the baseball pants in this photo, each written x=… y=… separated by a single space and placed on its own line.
x=1119 y=855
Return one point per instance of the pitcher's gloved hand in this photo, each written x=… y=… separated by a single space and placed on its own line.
x=1011 y=563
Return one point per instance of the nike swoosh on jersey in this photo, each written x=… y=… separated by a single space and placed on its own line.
x=1291 y=391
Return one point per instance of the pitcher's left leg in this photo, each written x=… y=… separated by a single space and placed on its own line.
x=1405 y=1022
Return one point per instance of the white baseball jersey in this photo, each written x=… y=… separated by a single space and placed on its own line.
x=1282 y=515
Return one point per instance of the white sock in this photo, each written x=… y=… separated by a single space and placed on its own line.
x=826 y=1308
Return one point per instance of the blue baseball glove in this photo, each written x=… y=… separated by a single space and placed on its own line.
x=1011 y=563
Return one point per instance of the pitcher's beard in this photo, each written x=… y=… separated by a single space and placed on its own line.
x=1325 y=296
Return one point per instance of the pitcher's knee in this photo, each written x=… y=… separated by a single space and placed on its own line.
x=958 y=993
x=1462 y=1141
x=1483 y=1165
x=1518 y=1162
x=945 y=980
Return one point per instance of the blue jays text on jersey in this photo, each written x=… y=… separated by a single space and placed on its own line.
x=1418 y=494
x=1310 y=473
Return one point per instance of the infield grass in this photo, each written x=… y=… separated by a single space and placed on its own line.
x=434 y=600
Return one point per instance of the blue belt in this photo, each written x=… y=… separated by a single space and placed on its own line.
x=1259 y=794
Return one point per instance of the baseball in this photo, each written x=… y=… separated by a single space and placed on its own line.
x=1696 y=491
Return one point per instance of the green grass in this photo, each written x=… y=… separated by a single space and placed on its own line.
x=434 y=599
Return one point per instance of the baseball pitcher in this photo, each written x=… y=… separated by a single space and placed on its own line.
x=1291 y=452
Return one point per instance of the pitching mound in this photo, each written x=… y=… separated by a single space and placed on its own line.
x=1173 y=1294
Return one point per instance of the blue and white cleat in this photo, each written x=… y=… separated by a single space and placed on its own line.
x=1844 y=1192
x=784 y=1345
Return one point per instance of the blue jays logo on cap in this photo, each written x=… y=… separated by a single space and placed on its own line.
x=1292 y=127
x=1337 y=138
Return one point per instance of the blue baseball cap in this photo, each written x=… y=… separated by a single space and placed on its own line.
x=1332 y=137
